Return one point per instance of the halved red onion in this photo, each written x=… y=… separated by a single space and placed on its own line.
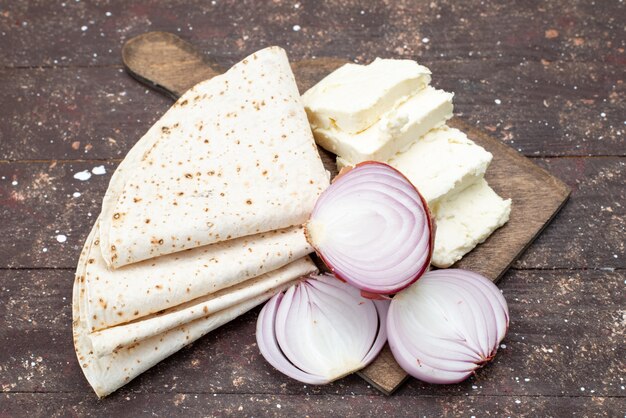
x=447 y=325
x=372 y=228
x=321 y=330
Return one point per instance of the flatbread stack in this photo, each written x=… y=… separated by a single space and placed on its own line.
x=201 y=221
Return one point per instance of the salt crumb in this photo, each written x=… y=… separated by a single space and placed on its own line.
x=278 y=406
x=502 y=345
x=99 y=170
x=61 y=238
x=497 y=101
x=82 y=175
x=296 y=28
x=14 y=183
x=603 y=114
x=526 y=379
x=107 y=14
x=83 y=28
x=296 y=6
x=517 y=401
x=76 y=194
x=45 y=250
x=582 y=389
x=425 y=40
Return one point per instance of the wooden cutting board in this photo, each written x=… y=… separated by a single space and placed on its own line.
x=171 y=65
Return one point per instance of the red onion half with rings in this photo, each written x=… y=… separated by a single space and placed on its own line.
x=447 y=325
x=373 y=229
x=320 y=330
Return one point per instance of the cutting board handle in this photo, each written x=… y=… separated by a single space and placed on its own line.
x=166 y=63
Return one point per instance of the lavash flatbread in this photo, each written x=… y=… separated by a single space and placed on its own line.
x=117 y=296
x=110 y=372
x=107 y=340
x=233 y=157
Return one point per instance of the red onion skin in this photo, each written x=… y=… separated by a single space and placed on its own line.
x=374 y=293
x=369 y=295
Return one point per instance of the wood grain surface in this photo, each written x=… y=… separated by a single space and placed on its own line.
x=537 y=195
x=68 y=105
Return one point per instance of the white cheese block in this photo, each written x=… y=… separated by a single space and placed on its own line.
x=441 y=163
x=354 y=96
x=393 y=132
x=465 y=220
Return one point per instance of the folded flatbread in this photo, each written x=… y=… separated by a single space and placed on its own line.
x=118 y=296
x=233 y=157
x=109 y=372
x=108 y=340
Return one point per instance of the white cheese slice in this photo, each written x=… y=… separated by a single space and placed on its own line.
x=441 y=163
x=465 y=220
x=393 y=132
x=354 y=96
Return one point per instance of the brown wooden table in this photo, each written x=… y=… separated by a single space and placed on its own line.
x=547 y=78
